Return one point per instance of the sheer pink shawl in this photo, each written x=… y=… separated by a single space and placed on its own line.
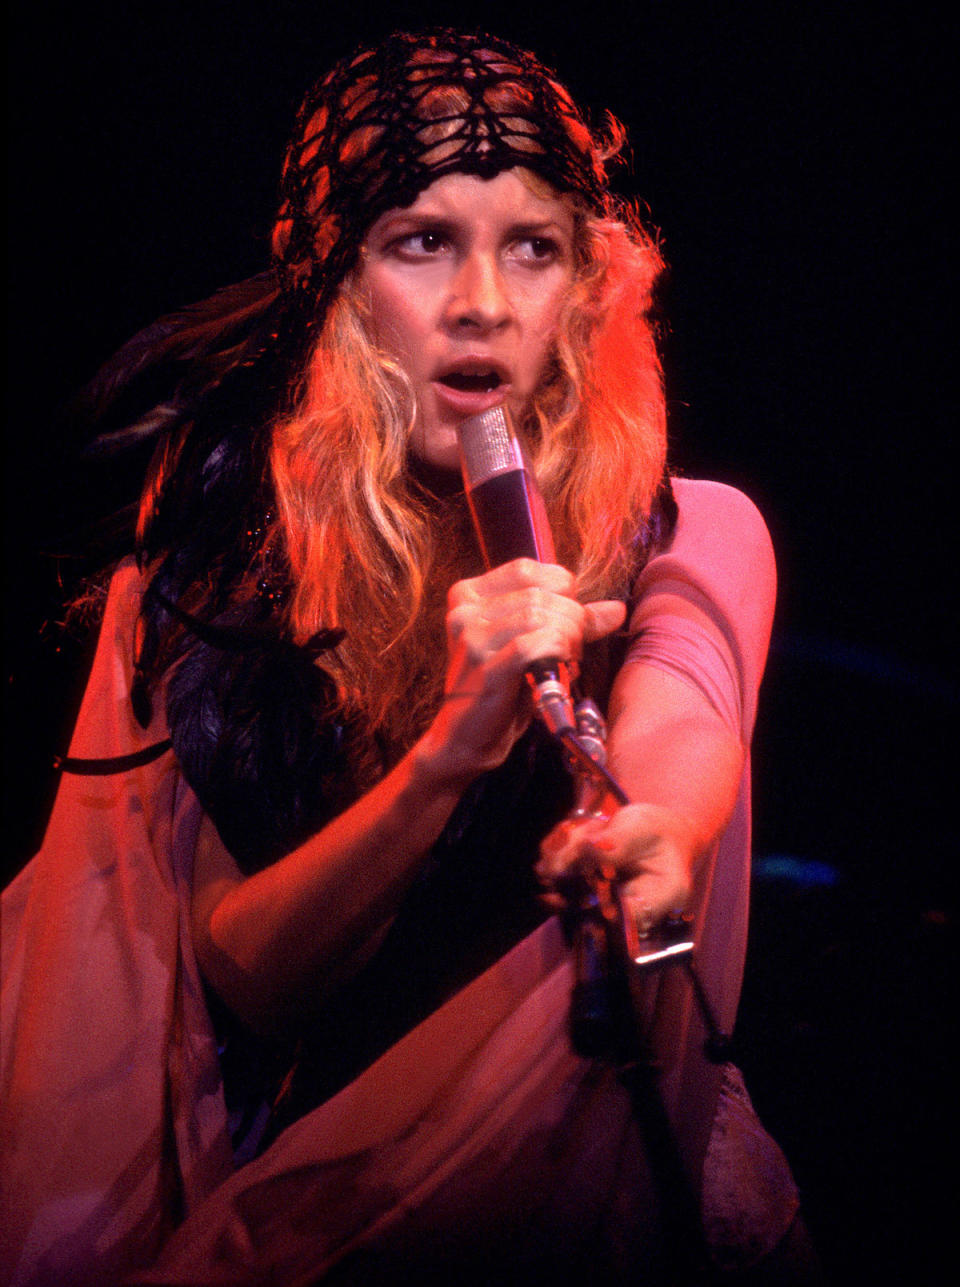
x=481 y=1127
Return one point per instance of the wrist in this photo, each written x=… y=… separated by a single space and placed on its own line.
x=440 y=767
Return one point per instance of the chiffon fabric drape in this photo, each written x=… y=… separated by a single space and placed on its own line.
x=477 y=1148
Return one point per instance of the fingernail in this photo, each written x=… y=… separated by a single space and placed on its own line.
x=644 y=918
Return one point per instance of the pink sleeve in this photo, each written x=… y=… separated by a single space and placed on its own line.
x=111 y=1095
x=704 y=606
x=703 y=613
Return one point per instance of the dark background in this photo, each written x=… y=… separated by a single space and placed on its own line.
x=793 y=157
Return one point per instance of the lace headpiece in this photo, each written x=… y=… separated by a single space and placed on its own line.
x=384 y=124
x=372 y=135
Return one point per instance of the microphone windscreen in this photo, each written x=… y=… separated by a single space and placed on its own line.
x=508 y=511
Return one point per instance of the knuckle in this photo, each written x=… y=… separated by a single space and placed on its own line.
x=575 y=625
x=458 y=620
x=566 y=582
x=532 y=609
x=528 y=571
x=455 y=595
x=475 y=654
x=521 y=653
x=638 y=887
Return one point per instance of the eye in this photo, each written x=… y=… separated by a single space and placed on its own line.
x=427 y=243
x=536 y=250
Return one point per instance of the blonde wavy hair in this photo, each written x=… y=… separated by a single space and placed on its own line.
x=371 y=550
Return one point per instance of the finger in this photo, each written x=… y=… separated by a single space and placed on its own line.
x=603 y=617
x=549 y=643
x=652 y=897
x=518 y=574
x=553 y=902
x=569 y=834
x=637 y=841
x=571 y=847
x=543 y=624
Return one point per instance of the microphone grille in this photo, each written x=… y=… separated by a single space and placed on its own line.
x=488 y=446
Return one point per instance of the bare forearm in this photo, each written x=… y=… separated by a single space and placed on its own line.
x=680 y=766
x=668 y=748
x=297 y=930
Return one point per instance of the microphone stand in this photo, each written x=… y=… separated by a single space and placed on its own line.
x=607 y=1010
x=611 y=958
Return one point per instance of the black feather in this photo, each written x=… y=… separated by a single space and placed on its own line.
x=218 y=326
x=254 y=734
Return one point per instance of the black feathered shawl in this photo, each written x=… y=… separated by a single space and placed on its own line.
x=252 y=719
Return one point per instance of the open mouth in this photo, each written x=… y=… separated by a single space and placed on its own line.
x=472 y=381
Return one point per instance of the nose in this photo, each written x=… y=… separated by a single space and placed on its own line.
x=478 y=295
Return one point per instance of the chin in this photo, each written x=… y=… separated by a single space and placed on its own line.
x=438 y=448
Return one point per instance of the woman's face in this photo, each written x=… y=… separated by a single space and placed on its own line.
x=465 y=289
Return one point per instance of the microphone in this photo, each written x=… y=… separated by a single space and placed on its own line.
x=510 y=519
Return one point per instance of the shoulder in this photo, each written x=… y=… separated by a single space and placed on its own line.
x=720 y=543
x=106 y=726
x=721 y=520
x=119 y=628
x=707 y=597
x=111 y=606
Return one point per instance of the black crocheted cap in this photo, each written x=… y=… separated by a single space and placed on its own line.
x=387 y=122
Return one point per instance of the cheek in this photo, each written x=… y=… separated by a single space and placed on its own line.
x=394 y=322
x=543 y=329
x=387 y=322
x=558 y=300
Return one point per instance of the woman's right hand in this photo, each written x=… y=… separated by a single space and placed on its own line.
x=498 y=625
x=291 y=935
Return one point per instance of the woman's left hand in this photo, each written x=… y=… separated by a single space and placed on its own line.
x=652 y=851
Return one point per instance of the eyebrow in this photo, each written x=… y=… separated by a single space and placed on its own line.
x=540 y=227
x=416 y=219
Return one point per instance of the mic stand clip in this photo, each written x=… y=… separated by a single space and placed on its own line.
x=610 y=953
